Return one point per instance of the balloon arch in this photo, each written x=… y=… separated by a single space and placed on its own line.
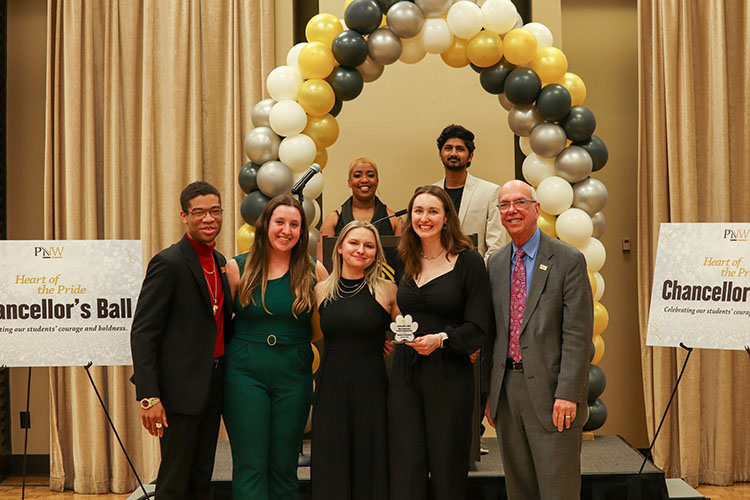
x=515 y=61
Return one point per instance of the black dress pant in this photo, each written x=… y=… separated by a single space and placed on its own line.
x=430 y=402
x=188 y=447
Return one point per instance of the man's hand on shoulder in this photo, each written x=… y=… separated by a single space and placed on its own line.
x=154 y=419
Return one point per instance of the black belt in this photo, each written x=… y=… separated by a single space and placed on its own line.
x=516 y=366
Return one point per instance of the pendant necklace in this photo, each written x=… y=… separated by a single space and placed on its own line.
x=350 y=290
x=213 y=295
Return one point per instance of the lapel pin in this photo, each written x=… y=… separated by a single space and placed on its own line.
x=542 y=267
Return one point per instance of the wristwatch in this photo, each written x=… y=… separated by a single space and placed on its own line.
x=147 y=403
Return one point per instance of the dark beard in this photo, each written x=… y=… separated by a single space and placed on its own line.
x=457 y=167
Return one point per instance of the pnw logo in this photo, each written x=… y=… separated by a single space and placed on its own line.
x=49 y=252
x=737 y=234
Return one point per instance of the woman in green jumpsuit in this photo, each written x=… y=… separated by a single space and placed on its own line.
x=268 y=379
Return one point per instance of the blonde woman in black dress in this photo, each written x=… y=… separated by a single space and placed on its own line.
x=349 y=423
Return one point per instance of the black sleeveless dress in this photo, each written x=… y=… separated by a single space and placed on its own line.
x=350 y=421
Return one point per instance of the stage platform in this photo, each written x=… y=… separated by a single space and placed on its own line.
x=609 y=468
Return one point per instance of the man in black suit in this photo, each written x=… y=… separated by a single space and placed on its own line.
x=181 y=324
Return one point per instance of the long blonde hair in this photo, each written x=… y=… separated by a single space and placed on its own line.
x=373 y=271
x=301 y=267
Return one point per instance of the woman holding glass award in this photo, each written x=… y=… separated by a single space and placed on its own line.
x=446 y=291
x=349 y=423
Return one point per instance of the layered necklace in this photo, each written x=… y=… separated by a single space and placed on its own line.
x=215 y=292
x=346 y=290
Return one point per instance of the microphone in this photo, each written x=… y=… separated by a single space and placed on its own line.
x=397 y=214
x=302 y=182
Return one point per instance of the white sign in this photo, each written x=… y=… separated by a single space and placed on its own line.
x=68 y=302
x=701 y=289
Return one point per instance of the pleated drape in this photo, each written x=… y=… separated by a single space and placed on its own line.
x=143 y=97
x=694 y=148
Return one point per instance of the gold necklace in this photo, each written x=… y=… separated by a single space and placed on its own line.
x=213 y=296
x=421 y=254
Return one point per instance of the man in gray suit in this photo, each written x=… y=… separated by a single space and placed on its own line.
x=473 y=198
x=540 y=354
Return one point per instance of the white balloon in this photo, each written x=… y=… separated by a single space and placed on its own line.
x=525 y=145
x=574 y=226
x=595 y=255
x=284 y=83
x=499 y=15
x=555 y=195
x=536 y=169
x=436 y=36
x=433 y=8
x=314 y=186
x=519 y=21
x=297 y=152
x=599 y=286
x=293 y=54
x=541 y=32
x=465 y=19
x=412 y=50
x=316 y=217
x=287 y=118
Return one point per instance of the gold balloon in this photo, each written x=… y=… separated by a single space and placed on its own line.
x=316 y=358
x=546 y=223
x=592 y=282
x=316 y=97
x=324 y=130
x=598 y=349
x=485 y=49
x=519 y=46
x=323 y=28
x=455 y=56
x=575 y=86
x=321 y=157
x=316 y=61
x=245 y=237
x=550 y=64
x=601 y=318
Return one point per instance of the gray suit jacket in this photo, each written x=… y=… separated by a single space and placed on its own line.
x=556 y=331
x=479 y=213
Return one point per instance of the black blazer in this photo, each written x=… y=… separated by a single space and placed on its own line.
x=173 y=336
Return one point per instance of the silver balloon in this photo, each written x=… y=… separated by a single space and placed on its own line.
x=574 y=164
x=274 y=178
x=523 y=119
x=504 y=102
x=600 y=224
x=434 y=8
x=405 y=19
x=312 y=240
x=370 y=70
x=262 y=145
x=308 y=205
x=547 y=140
x=260 y=113
x=384 y=46
x=590 y=195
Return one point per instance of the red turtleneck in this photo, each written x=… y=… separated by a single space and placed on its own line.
x=212 y=273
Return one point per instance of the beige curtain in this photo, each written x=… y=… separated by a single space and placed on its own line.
x=143 y=97
x=693 y=167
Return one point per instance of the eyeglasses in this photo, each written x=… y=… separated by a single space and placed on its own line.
x=504 y=206
x=200 y=213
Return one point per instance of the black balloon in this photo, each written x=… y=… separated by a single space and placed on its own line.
x=579 y=124
x=337 y=105
x=387 y=4
x=252 y=206
x=597 y=149
x=593 y=352
x=597 y=382
x=553 y=102
x=476 y=68
x=349 y=48
x=493 y=78
x=247 y=177
x=346 y=82
x=363 y=16
x=522 y=86
x=597 y=415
